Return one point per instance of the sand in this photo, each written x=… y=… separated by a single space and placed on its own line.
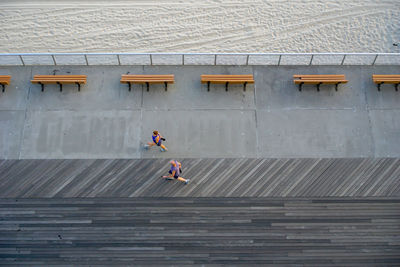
x=200 y=26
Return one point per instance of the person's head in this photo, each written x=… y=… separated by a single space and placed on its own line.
x=173 y=163
x=155 y=132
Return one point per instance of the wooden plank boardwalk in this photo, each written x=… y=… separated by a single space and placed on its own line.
x=209 y=178
x=200 y=231
x=269 y=212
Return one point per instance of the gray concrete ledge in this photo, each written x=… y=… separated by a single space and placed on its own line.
x=270 y=119
x=238 y=59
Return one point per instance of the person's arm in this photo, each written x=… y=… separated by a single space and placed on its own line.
x=161 y=137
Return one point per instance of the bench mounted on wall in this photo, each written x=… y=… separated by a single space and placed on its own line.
x=60 y=80
x=381 y=79
x=319 y=79
x=227 y=79
x=148 y=79
x=5 y=80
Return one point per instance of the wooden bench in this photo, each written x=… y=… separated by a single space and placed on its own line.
x=380 y=79
x=60 y=80
x=319 y=79
x=5 y=80
x=227 y=79
x=147 y=79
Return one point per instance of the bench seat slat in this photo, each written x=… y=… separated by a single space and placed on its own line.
x=387 y=81
x=228 y=78
x=319 y=76
x=64 y=79
x=5 y=79
x=386 y=78
x=164 y=78
x=246 y=78
x=39 y=77
x=320 y=81
x=315 y=79
x=386 y=75
x=227 y=81
x=146 y=81
x=59 y=81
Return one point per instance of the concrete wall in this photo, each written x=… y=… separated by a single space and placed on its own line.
x=270 y=119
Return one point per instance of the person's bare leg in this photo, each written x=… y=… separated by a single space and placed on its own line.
x=163 y=147
x=150 y=144
x=167 y=177
x=186 y=181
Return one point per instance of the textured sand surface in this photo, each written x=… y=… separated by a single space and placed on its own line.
x=200 y=26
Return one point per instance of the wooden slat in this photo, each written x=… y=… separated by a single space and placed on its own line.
x=316 y=81
x=168 y=78
x=248 y=78
x=67 y=79
x=320 y=79
x=384 y=78
x=5 y=79
x=200 y=231
x=394 y=76
x=305 y=76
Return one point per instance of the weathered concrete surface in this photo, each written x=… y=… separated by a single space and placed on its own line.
x=314 y=133
x=385 y=125
x=11 y=131
x=102 y=60
x=295 y=59
x=263 y=59
x=270 y=119
x=359 y=60
x=167 y=59
x=231 y=60
x=327 y=60
x=16 y=94
x=202 y=133
x=10 y=60
x=199 y=59
x=81 y=134
x=70 y=59
x=38 y=60
x=134 y=59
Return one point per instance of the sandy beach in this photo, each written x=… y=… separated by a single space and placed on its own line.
x=200 y=26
